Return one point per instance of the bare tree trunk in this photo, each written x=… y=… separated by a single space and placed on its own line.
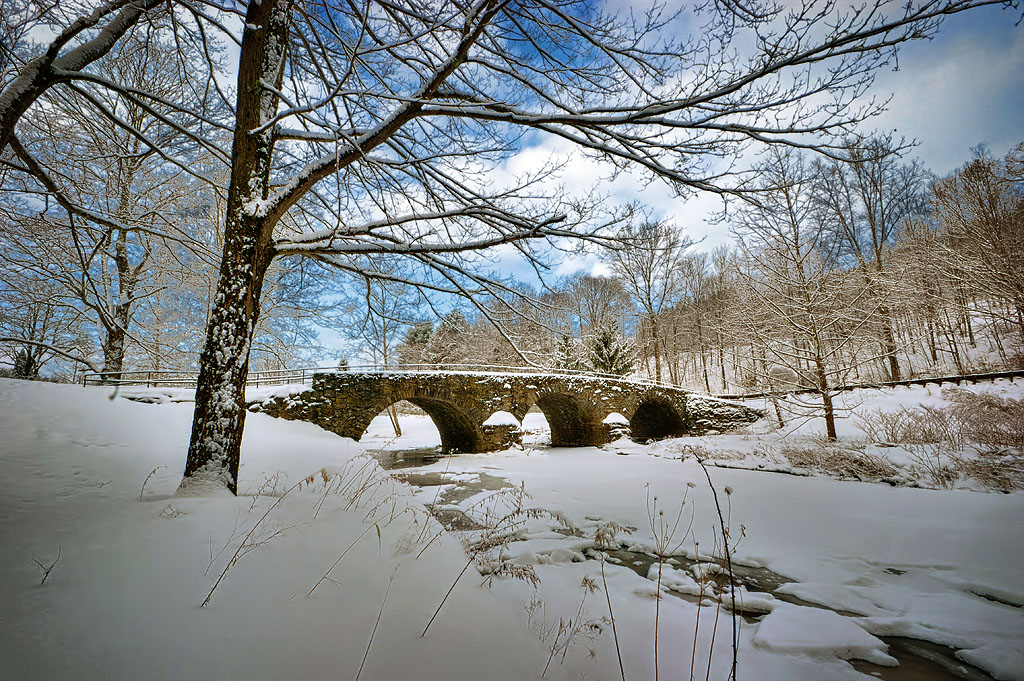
x=393 y=415
x=826 y=398
x=656 y=343
x=113 y=347
x=889 y=343
x=998 y=340
x=966 y=311
x=948 y=331
x=932 y=345
x=215 y=447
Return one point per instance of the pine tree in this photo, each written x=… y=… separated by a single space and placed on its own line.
x=448 y=345
x=413 y=348
x=570 y=355
x=611 y=354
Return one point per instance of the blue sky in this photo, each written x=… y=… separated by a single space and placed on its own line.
x=962 y=88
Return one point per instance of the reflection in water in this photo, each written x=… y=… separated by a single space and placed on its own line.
x=392 y=459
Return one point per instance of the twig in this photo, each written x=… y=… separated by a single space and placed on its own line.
x=657 y=615
x=437 y=494
x=375 y=624
x=700 y=597
x=144 y=482
x=728 y=562
x=450 y=589
x=343 y=554
x=238 y=551
x=47 y=570
x=611 y=615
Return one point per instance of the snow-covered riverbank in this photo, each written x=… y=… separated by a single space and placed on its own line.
x=123 y=600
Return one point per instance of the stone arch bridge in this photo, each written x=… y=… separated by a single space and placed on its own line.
x=466 y=407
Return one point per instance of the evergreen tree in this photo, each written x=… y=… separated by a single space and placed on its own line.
x=611 y=354
x=570 y=355
x=413 y=348
x=25 y=366
x=448 y=345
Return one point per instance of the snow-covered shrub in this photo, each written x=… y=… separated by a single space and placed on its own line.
x=913 y=425
x=998 y=469
x=978 y=436
x=839 y=460
x=933 y=459
x=987 y=419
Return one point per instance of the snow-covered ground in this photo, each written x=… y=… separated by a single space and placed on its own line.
x=123 y=600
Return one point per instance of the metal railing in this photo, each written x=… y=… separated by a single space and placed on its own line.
x=939 y=380
x=187 y=379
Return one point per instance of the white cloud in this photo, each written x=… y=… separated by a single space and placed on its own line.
x=952 y=94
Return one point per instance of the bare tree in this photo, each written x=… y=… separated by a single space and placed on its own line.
x=598 y=302
x=85 y=32
x=37 y=326
x=107 y=265
x=981 y=211
x=868 y=197
x=379 y=128
x=650 y=264
x=807 y=311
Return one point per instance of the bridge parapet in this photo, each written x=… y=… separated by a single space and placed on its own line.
x=461 y=405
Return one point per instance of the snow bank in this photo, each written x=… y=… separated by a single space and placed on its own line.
x=911 y=562
x=813 y=631
x=123 y=601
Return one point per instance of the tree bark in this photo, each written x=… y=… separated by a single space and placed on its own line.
x=215 y=447
x=889 y=343
x=826 y=399
x=656 y=344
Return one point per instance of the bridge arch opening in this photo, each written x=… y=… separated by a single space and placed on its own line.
x=414 y=429
x=656 y=419
x=571 y=422
x=455 y=428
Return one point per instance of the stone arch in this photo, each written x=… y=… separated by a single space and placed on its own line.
x=458 y=431
x=656 y=418
x=572 y=420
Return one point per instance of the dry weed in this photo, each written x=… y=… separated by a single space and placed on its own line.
x=841 y=461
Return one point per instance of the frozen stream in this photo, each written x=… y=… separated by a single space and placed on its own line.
x=903 y=563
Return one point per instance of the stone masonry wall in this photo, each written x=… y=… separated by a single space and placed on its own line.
x=460 y=402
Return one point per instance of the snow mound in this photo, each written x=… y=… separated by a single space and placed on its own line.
x=677 y=580
x=502 y=418
x=616 y=419
x=123 y=599
x=796 y=629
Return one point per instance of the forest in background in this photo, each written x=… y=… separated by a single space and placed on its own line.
x=841 y=272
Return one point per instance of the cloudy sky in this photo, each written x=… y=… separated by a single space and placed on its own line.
x=962 y=88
